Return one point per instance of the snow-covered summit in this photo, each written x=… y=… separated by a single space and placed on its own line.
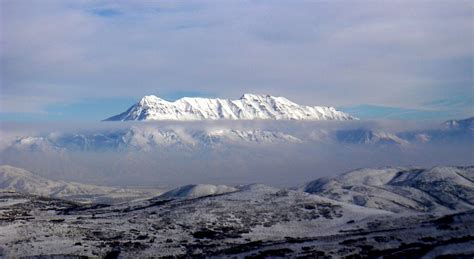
x=248 y=107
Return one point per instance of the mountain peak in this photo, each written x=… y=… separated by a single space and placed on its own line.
x=259 y=97
x=150 y=99
x=254 y=96
x=248 y=107
x=460 y=124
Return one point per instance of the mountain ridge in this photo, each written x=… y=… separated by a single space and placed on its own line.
x=149 y=137
x=23 y=181
x=248 y=107
x=398 y=189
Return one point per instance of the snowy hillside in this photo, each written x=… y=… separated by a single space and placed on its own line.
x=19 y=180
x=196 y=191
x=248 y=107
x=177 y=227
x=253 y=220
x=439 y=189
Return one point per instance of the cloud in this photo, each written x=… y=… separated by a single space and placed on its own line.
x=284 y=163
x=456 y=102
x=321 y=53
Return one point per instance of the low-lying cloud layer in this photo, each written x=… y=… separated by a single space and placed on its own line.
x=283 y=153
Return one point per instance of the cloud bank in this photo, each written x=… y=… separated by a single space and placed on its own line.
x=201 y=152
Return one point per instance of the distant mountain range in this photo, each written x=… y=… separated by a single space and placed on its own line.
x=248 y=107
x=466 y=124
x=367 y=136
x=451 y=131
x=151 y=137
x=148 y=138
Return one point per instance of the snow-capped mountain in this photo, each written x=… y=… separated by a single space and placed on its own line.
x=20 y=180
x=451 y=131
x=438 y=189
x=366 y=136
x=156 y=137
x=229 y=136
x=150 y=138
x=248 y=107
x=465 y=124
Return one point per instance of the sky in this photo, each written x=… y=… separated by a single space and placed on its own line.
x=89 y=60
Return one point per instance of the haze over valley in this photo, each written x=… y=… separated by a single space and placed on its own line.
x=281 y=153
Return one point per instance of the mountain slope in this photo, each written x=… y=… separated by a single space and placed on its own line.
x=465 y=124
x=147 y=137
x=248 y=107
x=451 y=131
x=196 y=191
x=439 y=189
x=256 y=221
x=20 y=180
x=367 y=136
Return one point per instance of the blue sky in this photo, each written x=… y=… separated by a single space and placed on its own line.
x=66 y=60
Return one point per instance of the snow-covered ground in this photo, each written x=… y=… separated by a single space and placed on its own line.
x=256 y=219
x=439 y=189
x=196 y=191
